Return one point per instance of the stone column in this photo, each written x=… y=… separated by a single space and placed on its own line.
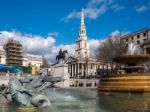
x=71 y=69
x=75 y=70
x=82 y=69
x=78 y=68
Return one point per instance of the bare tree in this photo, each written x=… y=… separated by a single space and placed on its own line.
x=110 y=48
x=45 y=63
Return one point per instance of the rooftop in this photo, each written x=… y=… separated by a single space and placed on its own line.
x=136 y=32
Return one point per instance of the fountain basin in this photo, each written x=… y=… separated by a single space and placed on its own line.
x=125 y=83
x=132 y=59
x=33 y=109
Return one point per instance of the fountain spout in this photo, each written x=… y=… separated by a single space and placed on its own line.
x=134 y=49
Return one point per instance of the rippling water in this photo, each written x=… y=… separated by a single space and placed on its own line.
x=86 y=100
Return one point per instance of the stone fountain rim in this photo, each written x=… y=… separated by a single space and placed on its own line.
x=135 y=58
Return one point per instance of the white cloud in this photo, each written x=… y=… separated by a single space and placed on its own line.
x=94 y=44
x=92 y=10
x=55 y=49
x=31 y=44
x=53 y=34
x=38 y=45
x=114 y=33
x=142 y=8
x=117 y=7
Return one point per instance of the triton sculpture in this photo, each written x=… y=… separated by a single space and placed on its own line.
x=27 y=92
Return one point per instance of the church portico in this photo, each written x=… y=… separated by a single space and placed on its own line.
x=82 y=68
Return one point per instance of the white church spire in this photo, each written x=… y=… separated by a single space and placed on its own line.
x=82 y=32
x=82 y=17
x=82 y=43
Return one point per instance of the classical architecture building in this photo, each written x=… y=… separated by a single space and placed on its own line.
x=82 y=65
x=32 y=60
x=141 y=37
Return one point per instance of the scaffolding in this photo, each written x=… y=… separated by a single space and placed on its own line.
x=13 y=50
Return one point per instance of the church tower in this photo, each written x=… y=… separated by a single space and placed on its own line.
x=82 y=43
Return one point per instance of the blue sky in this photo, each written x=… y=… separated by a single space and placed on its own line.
x=60 y=19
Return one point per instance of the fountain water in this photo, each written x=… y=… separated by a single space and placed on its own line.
x=134 y=49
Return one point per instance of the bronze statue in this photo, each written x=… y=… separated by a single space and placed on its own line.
x=61 y=55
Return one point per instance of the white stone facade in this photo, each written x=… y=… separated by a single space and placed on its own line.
x=2 y=55
x=61 y=70
x=32 y=60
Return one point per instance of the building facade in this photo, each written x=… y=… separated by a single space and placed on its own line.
x=27 y=60
x=13 y=51
x=141 y=37
x=32 y=60
x=82 y=65
x=2 y=55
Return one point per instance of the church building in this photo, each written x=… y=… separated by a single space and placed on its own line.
x=81 y=65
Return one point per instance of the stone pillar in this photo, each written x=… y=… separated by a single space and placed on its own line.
x=81 y=70
x=71 y=70
x=61 y=70
x=78 y=69
x=75 y=70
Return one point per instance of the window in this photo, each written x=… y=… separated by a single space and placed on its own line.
x=85 y=52
x=82 y=31
x=138 y=36
x=79 y=45
x=138 y=42
x=126 y=40
x=144 y=34
x=78 y=52
x=131 y=38
x=148 y=50
x=144 y=40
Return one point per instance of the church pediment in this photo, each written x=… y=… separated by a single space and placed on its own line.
x=70 y=59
